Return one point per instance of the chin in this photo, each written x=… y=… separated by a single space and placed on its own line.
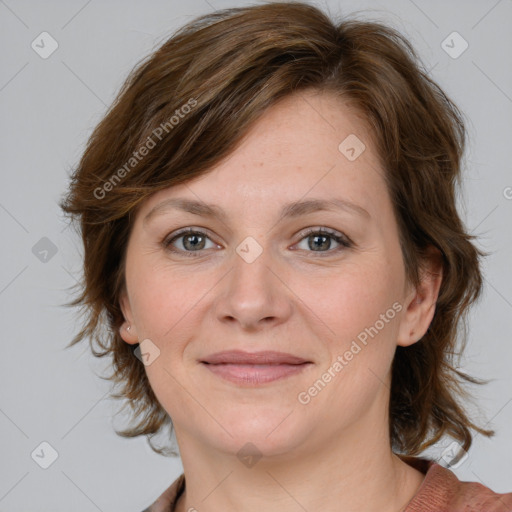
x=266 y=434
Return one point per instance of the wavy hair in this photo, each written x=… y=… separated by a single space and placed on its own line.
x=218 y=74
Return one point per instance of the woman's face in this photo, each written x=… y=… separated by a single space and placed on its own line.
x=254 y=274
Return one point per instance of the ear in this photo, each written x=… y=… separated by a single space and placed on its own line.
x=420 y=303
x=130 y=336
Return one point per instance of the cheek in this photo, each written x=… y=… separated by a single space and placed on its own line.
x=361 y=310
x=162 y=299
x=353 y=300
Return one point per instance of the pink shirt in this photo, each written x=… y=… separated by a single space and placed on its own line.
x=441 y=491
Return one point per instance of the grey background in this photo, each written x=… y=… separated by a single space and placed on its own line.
x=49 y=108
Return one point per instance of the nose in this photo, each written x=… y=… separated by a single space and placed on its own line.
x=254 y=294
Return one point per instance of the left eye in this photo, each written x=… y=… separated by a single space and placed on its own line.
x=317 y=240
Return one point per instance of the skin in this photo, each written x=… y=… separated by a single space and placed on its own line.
x=332 y=453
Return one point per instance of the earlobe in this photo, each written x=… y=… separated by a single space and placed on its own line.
x=128 y=333
x=127 y=330
x=421 y=302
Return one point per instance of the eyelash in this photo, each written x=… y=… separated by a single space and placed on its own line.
x=344 y=241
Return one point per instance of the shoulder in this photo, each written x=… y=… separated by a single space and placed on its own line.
x=442 y=491
x=167 y=500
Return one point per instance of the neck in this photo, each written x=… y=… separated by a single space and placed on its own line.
x=344 y=473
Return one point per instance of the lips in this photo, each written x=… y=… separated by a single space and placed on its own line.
x=264 y=357
x=253 y=369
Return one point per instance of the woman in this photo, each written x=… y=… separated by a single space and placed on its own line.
x=270 y=231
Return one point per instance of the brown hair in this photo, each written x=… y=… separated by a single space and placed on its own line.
x=204 y=88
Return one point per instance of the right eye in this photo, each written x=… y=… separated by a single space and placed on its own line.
x=191 y=241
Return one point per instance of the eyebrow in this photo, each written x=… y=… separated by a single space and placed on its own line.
x=290 y=210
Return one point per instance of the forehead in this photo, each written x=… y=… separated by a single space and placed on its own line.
x=303 y=145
